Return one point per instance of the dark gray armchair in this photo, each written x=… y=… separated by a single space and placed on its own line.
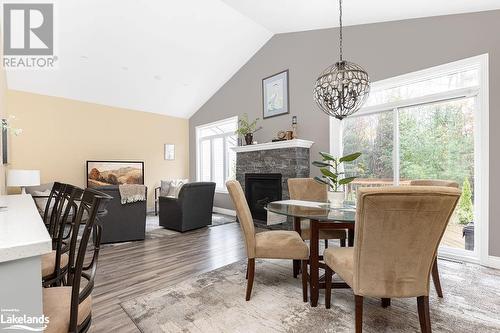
x=191 y=210
x=123 y=222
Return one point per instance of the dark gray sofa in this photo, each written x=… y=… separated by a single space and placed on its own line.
x=123 y=222
x=191 y=210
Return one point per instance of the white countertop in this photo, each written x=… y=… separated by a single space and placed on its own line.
x=22 y=232
x=295 y=143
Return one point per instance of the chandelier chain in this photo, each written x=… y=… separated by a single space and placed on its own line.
x=340 y=30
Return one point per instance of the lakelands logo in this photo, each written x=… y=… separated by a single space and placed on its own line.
x=28 y=35
x=11 y=319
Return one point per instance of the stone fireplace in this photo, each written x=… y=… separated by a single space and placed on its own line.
x=261 y=168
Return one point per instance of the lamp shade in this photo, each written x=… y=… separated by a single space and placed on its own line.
x=23 y=178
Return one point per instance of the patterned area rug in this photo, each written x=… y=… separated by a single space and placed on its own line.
x=214 y=302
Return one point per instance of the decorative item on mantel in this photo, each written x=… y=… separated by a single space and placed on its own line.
x=247 y=129
x=342 y=88
x=330 y=168
x=287 y=135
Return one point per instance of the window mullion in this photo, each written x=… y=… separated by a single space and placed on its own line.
x=212 y=160
x=396 y=149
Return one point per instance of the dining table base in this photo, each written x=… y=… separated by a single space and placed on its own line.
x=315 y=281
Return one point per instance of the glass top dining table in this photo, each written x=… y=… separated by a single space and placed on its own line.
x=322 y=216
x=325 y=212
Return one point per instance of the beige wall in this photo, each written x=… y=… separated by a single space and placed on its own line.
x=59 y=135
x=385 y=50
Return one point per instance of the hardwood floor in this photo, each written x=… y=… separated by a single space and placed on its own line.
x=126 y=271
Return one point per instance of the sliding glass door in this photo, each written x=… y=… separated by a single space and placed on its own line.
x=421 y=128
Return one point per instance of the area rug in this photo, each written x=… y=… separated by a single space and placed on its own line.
x=221 y=219
x=214 y=302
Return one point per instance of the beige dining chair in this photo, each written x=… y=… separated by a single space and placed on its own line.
x=435 y=182
x=308 y=189
x=397 y=234
x=276 y=244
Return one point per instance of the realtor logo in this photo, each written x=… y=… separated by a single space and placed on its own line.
x=28 y=35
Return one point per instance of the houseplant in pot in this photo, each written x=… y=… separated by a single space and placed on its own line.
x=330 y=168
x=247 y=128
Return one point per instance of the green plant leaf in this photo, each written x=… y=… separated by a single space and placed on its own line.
x=328 y=173
x=347 y=180
x=349 y=158
x=327 y=156
x=320 y=180
x=320 y=164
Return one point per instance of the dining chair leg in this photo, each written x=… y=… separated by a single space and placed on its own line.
x=251 y=273
x=328 y=286
x=342 y=242
x=314 y=264
x=326 y=243
x=304 y=280
x=424 y=314
x=296 y=268
x=386 y=302
x=359 y=313
x=435 y=278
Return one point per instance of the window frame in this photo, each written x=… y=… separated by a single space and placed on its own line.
x=199 y=139
x=481 y=140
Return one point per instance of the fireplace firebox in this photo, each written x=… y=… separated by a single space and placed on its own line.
x=260 y=189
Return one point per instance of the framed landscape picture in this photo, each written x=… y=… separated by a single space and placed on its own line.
x=275 y=95
x=101 y=173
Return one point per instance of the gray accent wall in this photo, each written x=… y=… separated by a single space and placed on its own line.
x=384 y=50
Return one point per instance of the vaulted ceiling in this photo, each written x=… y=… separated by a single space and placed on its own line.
x=170 y=56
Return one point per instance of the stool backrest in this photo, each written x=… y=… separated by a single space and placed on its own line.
x=92 y=203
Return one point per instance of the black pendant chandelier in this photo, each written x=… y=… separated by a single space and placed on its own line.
x=342 y=88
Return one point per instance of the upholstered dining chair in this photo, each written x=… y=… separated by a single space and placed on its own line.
x=275 y=244
x=307 y=189
x=397 y=234
x=69 y=308
x=435 y=182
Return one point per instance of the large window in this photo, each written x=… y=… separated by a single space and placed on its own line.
x=423 y=125
x=215 y=160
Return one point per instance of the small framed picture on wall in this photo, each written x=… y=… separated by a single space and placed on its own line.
x=275 y=97
x=169 y=152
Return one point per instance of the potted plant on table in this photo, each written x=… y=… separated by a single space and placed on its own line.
x=247 y=128
x=333 y=176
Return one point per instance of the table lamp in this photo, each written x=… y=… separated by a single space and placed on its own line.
x=23 y=178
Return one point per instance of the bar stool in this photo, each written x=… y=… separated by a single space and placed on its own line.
x=70 y=307
x=55 y=264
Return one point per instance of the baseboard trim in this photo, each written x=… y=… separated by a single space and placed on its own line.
x=493 y=262
x=225 y=211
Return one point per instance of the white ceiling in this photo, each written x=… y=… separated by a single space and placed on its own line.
x=281 y=16
x=161 y=56
x=170 y=56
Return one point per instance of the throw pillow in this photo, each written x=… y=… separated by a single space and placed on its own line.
x=178 y=185
x=164 y=187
